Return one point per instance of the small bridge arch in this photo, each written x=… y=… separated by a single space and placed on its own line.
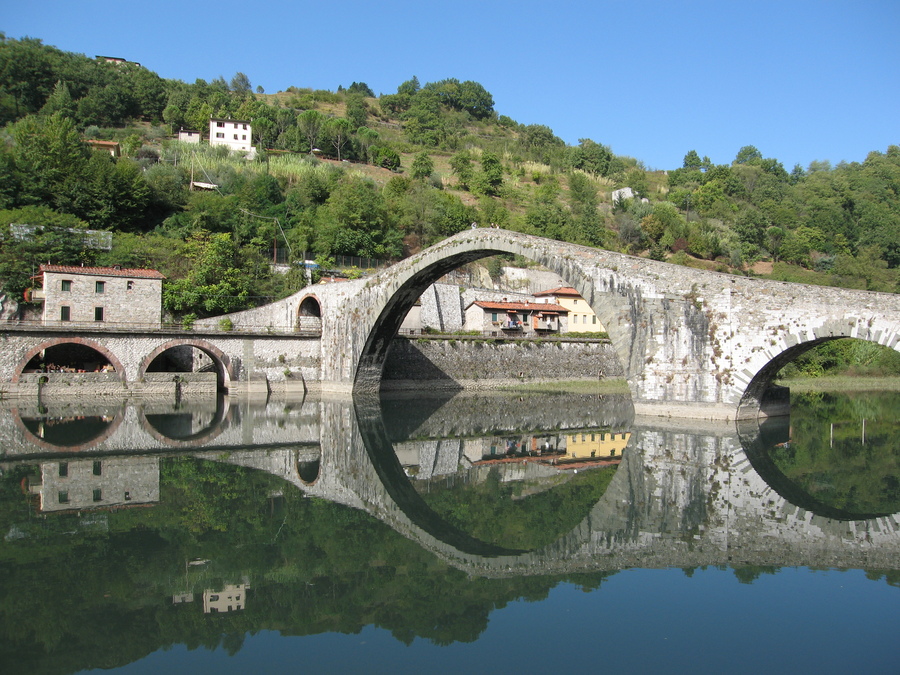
x=221 y=360
x=62 y=341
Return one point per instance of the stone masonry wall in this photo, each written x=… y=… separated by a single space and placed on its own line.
x=460 y=362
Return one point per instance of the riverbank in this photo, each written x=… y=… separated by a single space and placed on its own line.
x=613 y=385
x=842 y=383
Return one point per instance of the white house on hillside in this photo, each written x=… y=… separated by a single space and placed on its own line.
x=236 y=134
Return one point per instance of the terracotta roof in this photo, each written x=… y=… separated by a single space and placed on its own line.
x=562 y=290
x=520 y=306
x=103 y=271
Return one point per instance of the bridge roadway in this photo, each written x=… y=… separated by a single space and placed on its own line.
x=686 y=494
x=692 y=343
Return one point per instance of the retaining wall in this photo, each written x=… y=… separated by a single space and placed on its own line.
x=456 y=363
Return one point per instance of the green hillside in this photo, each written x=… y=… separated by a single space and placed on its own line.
x=348 y=173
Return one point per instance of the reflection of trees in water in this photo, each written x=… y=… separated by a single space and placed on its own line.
x=526 y=514
x=847 y=467
x=313 y=567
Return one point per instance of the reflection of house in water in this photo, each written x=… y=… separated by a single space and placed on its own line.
x=230 y=598
x=595 y=444
x=88 y=484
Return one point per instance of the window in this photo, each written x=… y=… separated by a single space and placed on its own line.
x=245 y=127
x=99 y=286
x=243 y=137
x=594 y=319
x=63 y=497
x=98 y=495
x=98 y=314
x=235 y=125
x=493 y=316
x=63 y=469
x=130 y=286
x=64 y=313
x=220 y=124
x=235 y=137
x=98 y=468
x=219 y=134
x=66 y=285
x=127 y=496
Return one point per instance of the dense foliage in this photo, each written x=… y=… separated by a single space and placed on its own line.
x=347 y=173
x=95 y=589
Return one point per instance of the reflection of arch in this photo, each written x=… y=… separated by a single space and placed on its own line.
x=308 y=469
x=224 y=413
x=221 y=360
x=84 y=342
x=757 y=439
x=401 y=491
x=309 y=314
x=108 y=431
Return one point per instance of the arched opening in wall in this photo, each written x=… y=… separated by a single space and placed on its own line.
x=308 y=467
x=837 y=454
x=197 y=365
x=309 y=315
x=68 y=357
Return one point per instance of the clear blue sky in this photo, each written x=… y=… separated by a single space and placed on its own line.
x=802 y=80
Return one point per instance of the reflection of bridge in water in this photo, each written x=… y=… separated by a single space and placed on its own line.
x=685 y=495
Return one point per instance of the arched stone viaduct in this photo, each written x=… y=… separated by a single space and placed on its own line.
x=691 y=343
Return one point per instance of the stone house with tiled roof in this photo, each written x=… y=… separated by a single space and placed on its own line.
x=113 y=296
x=526 y=319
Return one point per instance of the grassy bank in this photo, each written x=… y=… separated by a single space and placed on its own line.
x=841 y=383
x=607 y=386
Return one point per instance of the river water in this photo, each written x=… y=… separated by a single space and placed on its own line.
x=490 y=533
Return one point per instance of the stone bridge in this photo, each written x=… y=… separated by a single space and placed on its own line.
x=691 y=343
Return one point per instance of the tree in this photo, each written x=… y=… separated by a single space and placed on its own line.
x=747 y=155
x=361 y=88
x=692 y=160
x=461 y=165
x=491 y=176
x=338 y=130
x=366 y=137
x=51 y=157
x=422 y=166
x=240 y=84
x=356 y=110
x=214 y=282
x=311 y=123
x=591 y=157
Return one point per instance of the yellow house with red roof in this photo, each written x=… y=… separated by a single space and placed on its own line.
x=582 y=318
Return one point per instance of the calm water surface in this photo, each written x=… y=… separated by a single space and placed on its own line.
x=478 y=534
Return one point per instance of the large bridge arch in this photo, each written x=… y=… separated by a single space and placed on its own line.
x=386 y=303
